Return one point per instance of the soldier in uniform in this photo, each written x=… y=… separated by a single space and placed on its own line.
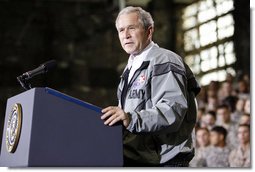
x=208 y=120
x=203 y=141
x=216 y=155
x=241 y=156
x=223 y=116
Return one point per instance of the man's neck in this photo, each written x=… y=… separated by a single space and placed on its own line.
x=245 y=146
x=147 y=45
x=221 y=145
x=205 y=145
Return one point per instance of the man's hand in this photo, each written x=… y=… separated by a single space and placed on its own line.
x=113 y=114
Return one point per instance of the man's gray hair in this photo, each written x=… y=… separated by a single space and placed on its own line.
x=144 y=16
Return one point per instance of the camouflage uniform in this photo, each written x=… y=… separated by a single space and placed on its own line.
x=240 y=158
x=232 y=140
x=198 y=160
x=216 y=156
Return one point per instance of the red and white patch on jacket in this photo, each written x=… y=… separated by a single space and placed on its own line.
x=139 y=82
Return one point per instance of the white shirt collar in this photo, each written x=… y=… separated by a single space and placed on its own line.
x=134 y=62
x=138 y=59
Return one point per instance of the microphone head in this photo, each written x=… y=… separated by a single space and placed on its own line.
x=49 y=65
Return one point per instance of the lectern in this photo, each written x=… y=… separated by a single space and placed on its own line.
x=44 y=127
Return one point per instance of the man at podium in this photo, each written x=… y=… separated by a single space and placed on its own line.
x=156 y=98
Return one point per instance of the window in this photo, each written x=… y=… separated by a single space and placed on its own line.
x=208 y=27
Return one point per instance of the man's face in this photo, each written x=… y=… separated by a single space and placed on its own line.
x=209 y=120
x=133 y=37
x=202 y=137
x=243 y=135
x=244 y=119
x=215 y=138
x=227 y=87
x=247 y=106
x=223 y=115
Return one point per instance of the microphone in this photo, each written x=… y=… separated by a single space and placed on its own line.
x=43 y=68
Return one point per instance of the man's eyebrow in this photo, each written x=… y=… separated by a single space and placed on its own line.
x=128 y=26
x=133 y=25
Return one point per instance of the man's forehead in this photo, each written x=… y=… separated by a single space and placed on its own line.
x=128 y=19
x=215 y=133
x=202 y=132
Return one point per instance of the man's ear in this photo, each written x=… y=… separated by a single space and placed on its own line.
x=150 y=31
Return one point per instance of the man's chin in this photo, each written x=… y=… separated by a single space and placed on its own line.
x=129 y=51
x=132 y=52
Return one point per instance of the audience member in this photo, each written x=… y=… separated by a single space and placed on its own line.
x=200 y=114
x=240 y=157
x=245 y=119
x=239 y=111
x=243 y=89
x=225 y=91
x=247 y=107
x=208 y=120
x=216 y=155
x=212 y=103
x=230 y=101
x=203 y=141
x=223 y=116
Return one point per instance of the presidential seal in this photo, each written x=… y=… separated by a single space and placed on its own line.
x=13 y=128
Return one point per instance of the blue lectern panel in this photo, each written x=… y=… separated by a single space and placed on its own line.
x=59 y=130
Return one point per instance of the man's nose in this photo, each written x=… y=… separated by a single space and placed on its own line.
x=127 y=33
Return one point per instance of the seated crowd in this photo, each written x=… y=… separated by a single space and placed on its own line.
x=223 y=124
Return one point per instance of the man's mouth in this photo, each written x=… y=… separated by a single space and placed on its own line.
x=128 y=43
